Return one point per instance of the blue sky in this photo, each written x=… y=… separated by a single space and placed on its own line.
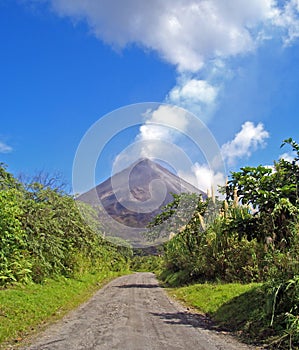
x=66 y=64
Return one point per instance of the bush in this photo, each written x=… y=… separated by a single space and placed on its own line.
x=42 y=235
x=15 y=264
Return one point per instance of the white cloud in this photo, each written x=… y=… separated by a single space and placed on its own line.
x=203 y=177
x=245 y=142
x=195 y=95
x=190 y=34
x=154 y=132
x=288 y=19
x=162 y=126
x=288 y=156
x=186 y=33
x=169 y=116
x=4 y=148
x=197 y=90
x=157 y=142
x=157 y=137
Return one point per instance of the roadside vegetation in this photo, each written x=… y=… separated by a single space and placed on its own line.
x=50 y=259
x=235 y=259
x=250 y=237
x=147 y=260
x=27 y=309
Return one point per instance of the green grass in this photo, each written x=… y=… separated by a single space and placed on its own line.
x=208 y=298
x=24 y=310
x=240 y=308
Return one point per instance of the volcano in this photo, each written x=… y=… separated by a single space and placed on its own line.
x=134 y=196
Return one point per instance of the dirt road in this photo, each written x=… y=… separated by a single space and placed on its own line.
x=133 y=313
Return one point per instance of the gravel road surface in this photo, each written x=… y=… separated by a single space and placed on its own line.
x=133 y=313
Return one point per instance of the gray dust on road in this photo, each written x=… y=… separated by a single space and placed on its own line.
x=133 y=313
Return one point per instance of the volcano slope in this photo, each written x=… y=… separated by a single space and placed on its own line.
x=130 y=199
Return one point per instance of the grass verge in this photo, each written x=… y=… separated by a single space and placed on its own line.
x=24 y=310
x=239 y=308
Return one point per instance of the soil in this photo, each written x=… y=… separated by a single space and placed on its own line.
x=133 y=313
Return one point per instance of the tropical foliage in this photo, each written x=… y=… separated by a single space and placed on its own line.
x=43 y=234
x=251 y=236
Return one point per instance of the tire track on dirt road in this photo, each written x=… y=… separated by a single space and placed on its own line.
x=132 y=313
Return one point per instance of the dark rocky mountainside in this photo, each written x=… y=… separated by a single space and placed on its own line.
x=135 y=195
x=130 y=199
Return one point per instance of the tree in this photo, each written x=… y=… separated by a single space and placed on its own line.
x=176 y=215
x=7 y=180
x=273 y=192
